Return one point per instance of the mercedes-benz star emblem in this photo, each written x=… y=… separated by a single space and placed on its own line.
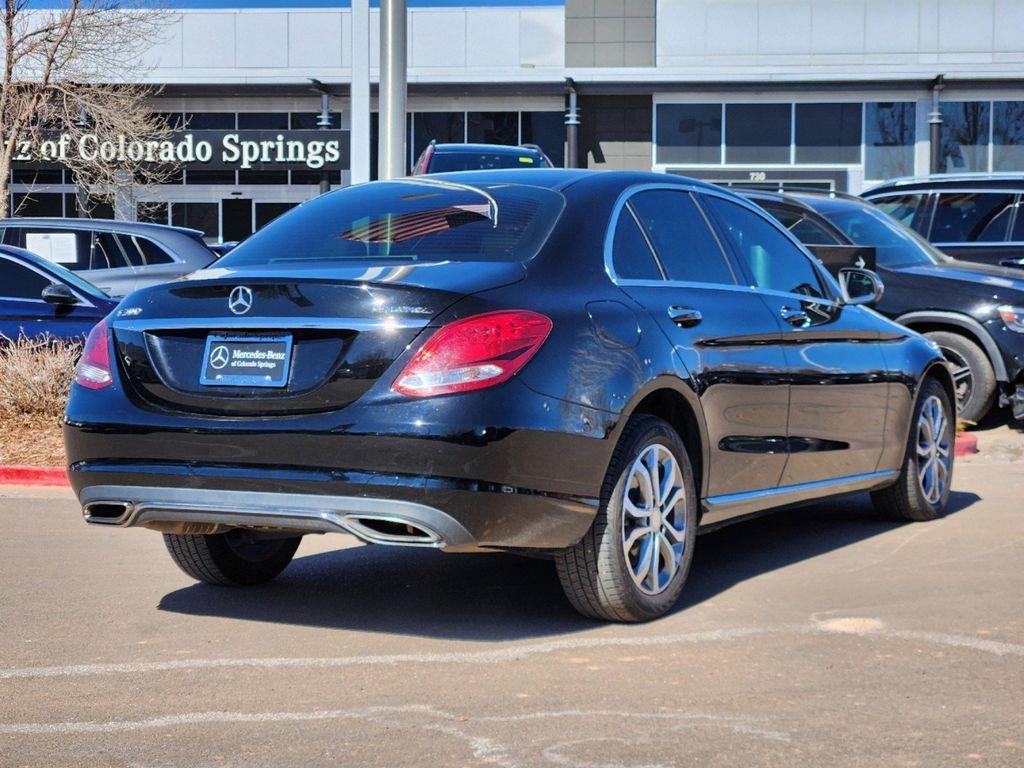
x=219 y=357
x=240 y=300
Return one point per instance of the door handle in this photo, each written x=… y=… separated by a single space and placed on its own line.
x=795 y=317
x=685 y=317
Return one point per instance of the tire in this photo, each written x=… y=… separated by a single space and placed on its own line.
x=597 y=574
x=976 y=386
x=230 y=559
x=908 y=498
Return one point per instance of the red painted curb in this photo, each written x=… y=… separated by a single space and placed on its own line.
x=18 y=475
x=966 y=444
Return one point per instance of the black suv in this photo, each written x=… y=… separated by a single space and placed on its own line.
x=975 y=217
x=974 y=312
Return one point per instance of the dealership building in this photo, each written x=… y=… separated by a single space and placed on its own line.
x=832 y=93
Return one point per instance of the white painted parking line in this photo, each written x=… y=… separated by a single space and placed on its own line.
x=852 y=626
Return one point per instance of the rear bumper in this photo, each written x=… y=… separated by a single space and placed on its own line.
x=446 y=513
x=530 y=480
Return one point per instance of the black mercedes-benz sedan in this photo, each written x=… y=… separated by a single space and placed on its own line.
x=591 y=366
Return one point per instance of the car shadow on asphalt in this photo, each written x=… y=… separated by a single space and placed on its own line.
x=499 y=597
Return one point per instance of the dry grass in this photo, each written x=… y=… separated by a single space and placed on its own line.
x=35 y=379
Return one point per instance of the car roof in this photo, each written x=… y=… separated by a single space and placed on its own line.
x=563 y=178
x=944 y=180
x=105 y=225
x=495 y=149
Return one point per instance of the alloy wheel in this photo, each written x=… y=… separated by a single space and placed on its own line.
x=654 y=519
x=963 y=377
x=934 y=454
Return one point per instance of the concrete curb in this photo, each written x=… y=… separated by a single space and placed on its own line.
x=966 y=444
x=21 y=475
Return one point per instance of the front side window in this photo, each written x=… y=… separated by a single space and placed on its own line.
x=971 y=217
x=20 y=283
x=408 y=221
x=774 y=262
x=894 y=246
x=68 y=248
x=632 y=258
x=685 y=245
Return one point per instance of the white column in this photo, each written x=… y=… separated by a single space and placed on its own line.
x=359 y=95
x=391 y=163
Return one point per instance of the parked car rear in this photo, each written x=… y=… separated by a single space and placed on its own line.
x=445 y=158
x=116 y=256
x=975 y=217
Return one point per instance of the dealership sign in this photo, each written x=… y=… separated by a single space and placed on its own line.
x=255 y=150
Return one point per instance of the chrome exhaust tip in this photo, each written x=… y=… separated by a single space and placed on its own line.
x=390 y=529
x=107 y=512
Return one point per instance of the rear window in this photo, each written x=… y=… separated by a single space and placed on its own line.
x=412 y=220
x=445 y=162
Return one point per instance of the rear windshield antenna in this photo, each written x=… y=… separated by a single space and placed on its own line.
x=492 y=203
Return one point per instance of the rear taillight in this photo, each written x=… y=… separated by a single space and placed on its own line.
x=474 y=353
x=94 y=366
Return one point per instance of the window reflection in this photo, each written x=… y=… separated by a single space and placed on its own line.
x=1008 y=136
x=965 y=136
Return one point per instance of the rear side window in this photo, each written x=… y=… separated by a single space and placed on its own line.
x=684 y=243
x=631 y=255
x=106 y=253
x=905 y=209
x=773 y=261
x=143 y=252
x=405 y=221
x=20 y=282
x=971 y=217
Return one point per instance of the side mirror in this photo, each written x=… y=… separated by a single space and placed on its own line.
x=59 y=294
x=860 y=286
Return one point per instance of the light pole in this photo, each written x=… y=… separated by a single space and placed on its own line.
x=572 y=126
x=323 y=122
x=391 y=163
x=935 y=126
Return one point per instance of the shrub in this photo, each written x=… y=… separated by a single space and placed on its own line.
x=35 y=377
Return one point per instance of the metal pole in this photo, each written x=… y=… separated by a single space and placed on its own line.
x=392 y=89
x=572 y=125
x=324 y=123
x=359 y=99
x=935 y=127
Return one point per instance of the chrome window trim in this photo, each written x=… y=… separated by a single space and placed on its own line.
x=82 y=301
x=696 y=191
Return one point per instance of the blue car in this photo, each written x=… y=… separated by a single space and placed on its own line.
x=38 y=297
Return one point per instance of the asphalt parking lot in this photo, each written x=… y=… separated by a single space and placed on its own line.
x=819 y=636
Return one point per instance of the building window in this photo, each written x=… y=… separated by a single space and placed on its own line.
x=493 y=128
x=209 y=177
x=828 y=133
x=263 y=121
x=210 y=121
x=262 y=177
x=37 y=204
x=1008 y=136
x=889 y=129
x=442 y=127
x=689 y=133
x=965 y=136
x=152 y=213
x=202 y=216
x=547 y=131
x=758 y=133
